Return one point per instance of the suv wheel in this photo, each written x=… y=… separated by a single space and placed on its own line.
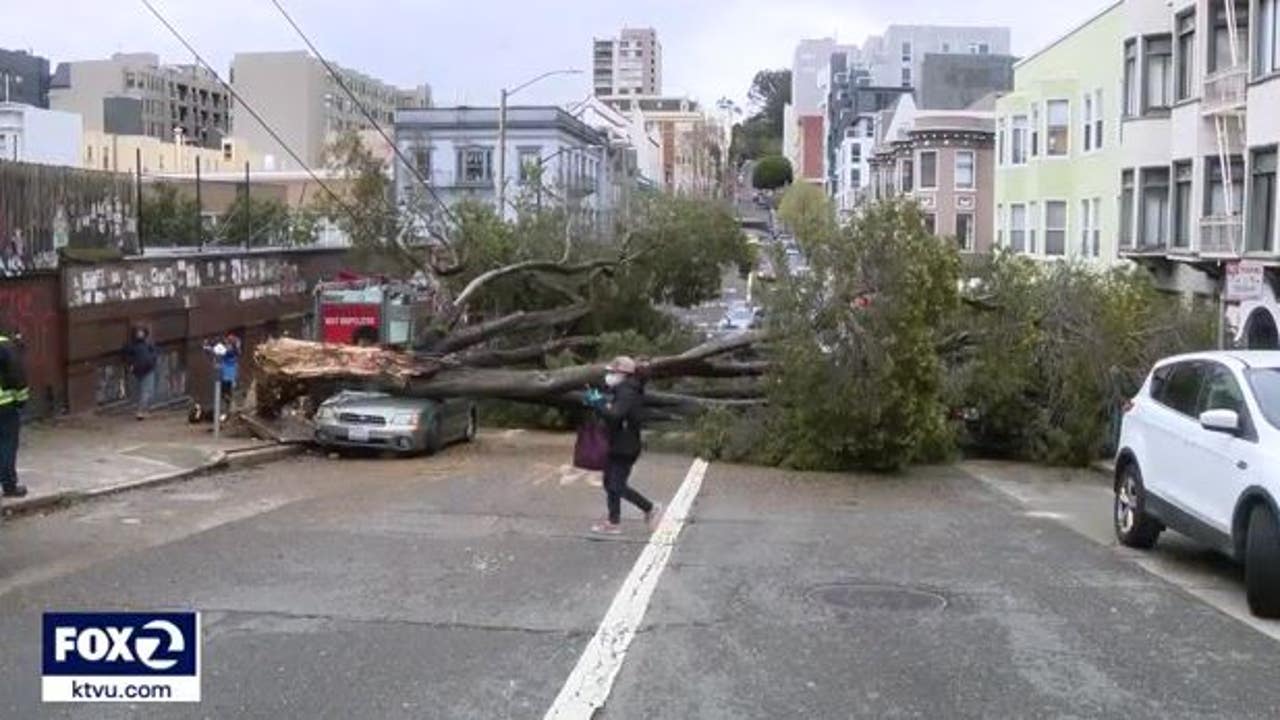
x=1134 y=528
x=1262 y=563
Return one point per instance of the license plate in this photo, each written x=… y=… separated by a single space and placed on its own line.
x=358 y=434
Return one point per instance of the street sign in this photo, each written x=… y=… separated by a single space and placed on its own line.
x=1245 y=281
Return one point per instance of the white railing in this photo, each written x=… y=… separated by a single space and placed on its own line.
x=1225 y=90
x=1221 y=235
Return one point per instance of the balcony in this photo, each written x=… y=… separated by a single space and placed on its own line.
x=1224 y=91
x=1221 y=235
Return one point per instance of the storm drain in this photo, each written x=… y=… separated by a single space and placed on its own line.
x=869 y=596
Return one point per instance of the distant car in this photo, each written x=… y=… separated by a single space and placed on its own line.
x=401 y=424
x=740 y=317
x=1200 y=453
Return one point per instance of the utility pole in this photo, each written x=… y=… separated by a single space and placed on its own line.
x=501 y=178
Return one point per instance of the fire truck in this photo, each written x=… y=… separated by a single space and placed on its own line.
x=361 y=310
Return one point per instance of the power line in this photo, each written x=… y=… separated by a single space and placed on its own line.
x=245 y=104
x=342 y=83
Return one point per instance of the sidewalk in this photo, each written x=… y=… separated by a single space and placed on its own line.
x=80 y=457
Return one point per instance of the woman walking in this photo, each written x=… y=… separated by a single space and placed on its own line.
x=621 y=410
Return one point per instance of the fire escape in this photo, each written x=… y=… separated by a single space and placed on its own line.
x=1224 y=103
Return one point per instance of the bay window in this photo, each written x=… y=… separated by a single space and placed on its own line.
x=1059 y=127
x=1157 y=66
x=1055 y=227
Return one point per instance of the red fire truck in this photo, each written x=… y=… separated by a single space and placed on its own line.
x=357 y=310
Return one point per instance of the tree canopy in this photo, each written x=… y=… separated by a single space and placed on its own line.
x=771 y=173
x=761 y=133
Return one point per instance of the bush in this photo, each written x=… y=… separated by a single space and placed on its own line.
x=771 y=173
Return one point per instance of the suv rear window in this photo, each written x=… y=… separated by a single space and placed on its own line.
x=1266 y=388
x=1180 y=390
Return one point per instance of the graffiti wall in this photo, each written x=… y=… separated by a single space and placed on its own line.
x=29 y=305
x=44 y=209
x=251 y=278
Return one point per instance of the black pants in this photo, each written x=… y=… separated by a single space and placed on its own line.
x=10 y=423
x=616 y=474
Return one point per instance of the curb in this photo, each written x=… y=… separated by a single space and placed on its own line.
x=228 y=460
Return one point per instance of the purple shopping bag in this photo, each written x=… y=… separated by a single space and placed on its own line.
x=591 y=451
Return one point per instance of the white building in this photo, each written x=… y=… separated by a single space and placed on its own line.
x=551 y=158
x=45 y=137
x=896 y=58
x=1200 y=131
x=630 y=131
x=853 y=164
x=630 y=64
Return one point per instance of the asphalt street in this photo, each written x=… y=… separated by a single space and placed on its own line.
x=466 y=586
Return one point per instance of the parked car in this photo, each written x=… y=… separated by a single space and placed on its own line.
x=402 y=424
x=1199 y=453
x=740 y=317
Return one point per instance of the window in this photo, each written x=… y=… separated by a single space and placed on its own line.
x=1266 y=390
x=906 y=51
x=1185 y=73
x=1058 y=113
x=1002 y=158
x=529 y=161
x=1158 y=64
x=964 y=230
x=984 y=49
x=964 y=170
x=855 y=178
x=1182 y=204
x=1088 y=121
x=1090 y=227
x=1221 y=54
x=1018 y=227
x=946 y=47
x=907 y=176
x=1055 y=227
x=906 y=76
x=1221 y=392
x=1035 y=129
x=1217 y=202
x=1131 y=78
x=1126 y=208
x=475 y=165
x=1097 y=119
x=1266 y=55
x=931 y=223
x=928 y=170
x=1181 y=391
x=422 y=161
x=1262 y=200
x=1033 y=218
x=1018 y=142
x=1154 y=222
x=1000 y=225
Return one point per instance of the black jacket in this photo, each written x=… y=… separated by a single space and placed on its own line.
x=13 y=371
x=140 y=356
x=622 y=415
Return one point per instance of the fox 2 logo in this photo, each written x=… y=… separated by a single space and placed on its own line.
x=130 y=644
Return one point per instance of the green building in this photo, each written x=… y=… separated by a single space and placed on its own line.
x=1057 y=182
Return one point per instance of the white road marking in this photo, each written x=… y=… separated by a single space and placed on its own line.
x=592 y=678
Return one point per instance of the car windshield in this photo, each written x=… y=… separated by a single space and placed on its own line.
x=1266 y=387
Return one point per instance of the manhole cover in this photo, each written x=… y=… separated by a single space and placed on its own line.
x=862 y=596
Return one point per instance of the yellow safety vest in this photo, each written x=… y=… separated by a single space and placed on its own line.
x=13 y=396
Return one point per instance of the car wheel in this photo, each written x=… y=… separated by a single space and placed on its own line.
x=1262 y=563
x=1134 y=528
x=470 y=433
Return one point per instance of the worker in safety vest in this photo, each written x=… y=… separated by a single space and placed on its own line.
x=13 y=395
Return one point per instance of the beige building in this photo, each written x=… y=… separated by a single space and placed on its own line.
x=121 y=153
x=298 y=98
x=133 y=94
x=630 y=64
x=692 y=145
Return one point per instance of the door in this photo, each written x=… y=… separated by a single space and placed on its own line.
x=1214 y=461
x=1172 y=420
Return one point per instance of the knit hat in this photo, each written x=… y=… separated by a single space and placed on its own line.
x=622 y=364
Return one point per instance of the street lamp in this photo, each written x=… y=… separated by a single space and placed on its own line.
x=501 y=187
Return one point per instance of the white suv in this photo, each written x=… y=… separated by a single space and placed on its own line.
x=1200 y=453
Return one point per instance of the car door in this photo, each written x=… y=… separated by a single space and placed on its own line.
x=1171 y=420
x=1215 y=460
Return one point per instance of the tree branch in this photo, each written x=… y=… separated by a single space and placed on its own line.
x=528 y=353
x=476 y=334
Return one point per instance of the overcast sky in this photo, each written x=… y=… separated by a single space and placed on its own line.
x=467 y=49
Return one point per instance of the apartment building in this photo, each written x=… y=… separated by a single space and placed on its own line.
x=1201 y=129
x=692 y=143
x=134 y=94
x=944 y=160
x=804 y=123
x=630 y=64
x=897 y=56
x=24 y=78
x=1057 y=152
x=294 y=93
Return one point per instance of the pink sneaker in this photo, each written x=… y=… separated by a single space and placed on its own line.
x=654 y=516
x=606 y=528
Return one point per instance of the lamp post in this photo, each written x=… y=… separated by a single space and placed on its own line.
x=501 y=176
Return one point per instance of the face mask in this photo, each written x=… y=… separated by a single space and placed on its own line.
x=614 y=379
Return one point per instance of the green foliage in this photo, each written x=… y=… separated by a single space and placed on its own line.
x=170 y=217
x=809 y=213
x=255 y=222
x=761 y=134
x=860 y=380
x=771 y=172
x=1057 y=348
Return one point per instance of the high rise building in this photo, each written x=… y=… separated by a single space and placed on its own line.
x=133 y=94
x=897 y=56
x=630 y=64
x=305 y=106
x=24 y=78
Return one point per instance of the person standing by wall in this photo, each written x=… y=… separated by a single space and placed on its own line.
x=228 y=352
x=140 y=356
x=13 y=396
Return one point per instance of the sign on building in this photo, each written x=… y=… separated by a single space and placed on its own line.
x=1245 y=281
